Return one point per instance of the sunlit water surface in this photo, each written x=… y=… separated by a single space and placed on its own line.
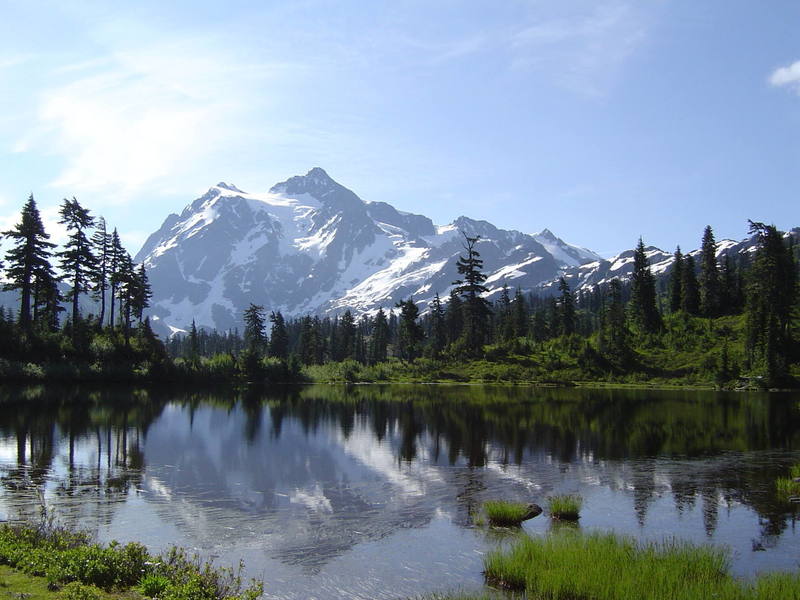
x=368 y=491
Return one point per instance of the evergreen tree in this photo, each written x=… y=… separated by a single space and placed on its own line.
x=690 y=300
x=410 y=333
x=278 y=338
x=566 y=309
x=506 y=320
x=101 y=244
x=613 y=339
x=470 y=287
x=29 y=267
x=347 y=336
x=77 y=259
x=676 y=282
x=643 y=293
x=194 y=344
x=380 y=338
x=124 y=282
x=116 y=264
x=438 y=335
x=519 y=315
x=141 y=293
x=771 y=296
x=255 y=328
x=709 y=275
x=454 y=317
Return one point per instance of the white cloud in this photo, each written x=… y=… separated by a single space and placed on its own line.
x=787 y=76
x=137 y=119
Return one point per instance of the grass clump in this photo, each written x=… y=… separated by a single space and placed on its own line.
x=789 y=487
x=501 y=513
x=610 y=567
x=565 y=508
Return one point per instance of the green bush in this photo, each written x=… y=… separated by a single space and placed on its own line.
x=153 y=586
x=79 y=591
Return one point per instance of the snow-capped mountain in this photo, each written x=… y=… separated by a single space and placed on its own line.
x=310 y=245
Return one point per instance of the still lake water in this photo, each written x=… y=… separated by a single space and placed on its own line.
x=367 y=491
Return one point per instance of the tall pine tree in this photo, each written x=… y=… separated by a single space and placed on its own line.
x=77 y=260
x=643 y=293
x=709 y=275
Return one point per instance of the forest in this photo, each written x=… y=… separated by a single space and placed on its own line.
x=730 y=322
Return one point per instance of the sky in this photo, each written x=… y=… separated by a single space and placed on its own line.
x=602 y=120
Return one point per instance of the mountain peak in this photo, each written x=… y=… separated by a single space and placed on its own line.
x=547 y=234
x=229 y=186
x=316 y=182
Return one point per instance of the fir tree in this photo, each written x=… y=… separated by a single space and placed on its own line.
x=771 y=296
x=278 y=338
x=454 y=317
x=643 y=293
x=77 y=259
x=347 y=336
x=116 y=259
x=613 y=339
x=690 y=299
x=410 y=334
x=438 y=336
x=254 y=327
x=676 y=282
x=29 y=267
x=566 y=309
x=470 y=287
x=141 y=293
x=101 y=243
x=709 y=275
x=380 y=338
x=520 y=315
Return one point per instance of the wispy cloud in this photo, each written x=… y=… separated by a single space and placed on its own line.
x=582 y=51
x=134 y=119
x=787 y=77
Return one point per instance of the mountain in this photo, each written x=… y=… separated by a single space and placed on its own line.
x=311 y=246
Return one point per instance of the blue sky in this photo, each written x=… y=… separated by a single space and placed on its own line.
x=601 y=120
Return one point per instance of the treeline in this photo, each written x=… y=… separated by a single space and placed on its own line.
x=608 y=331
x=92 y=263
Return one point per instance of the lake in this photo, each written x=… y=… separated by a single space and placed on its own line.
x=368 y=491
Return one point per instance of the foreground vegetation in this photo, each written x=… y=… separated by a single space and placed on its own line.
x=68 y=561
x=570 y=565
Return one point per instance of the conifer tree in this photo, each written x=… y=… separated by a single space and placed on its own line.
x=614 y=336
x=709 y=275
x=470 y=287
x=520 y=315
x=254 y=327
x=454 y=317
x=676 y=282
x=123 y=282
x=380 y=338
x=194 y=343
x=347 y=336
x=278 y=338
x=101 y=244
x=690 y=299
x=141 y=294
x=77 y=259
x=643 y=293
x=566 y=309
x=116 y=259
x=29 y=260
x=771 y=296
x=410 y=333
x=438 y=334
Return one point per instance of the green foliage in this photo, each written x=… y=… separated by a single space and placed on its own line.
x=569 y=565
x=152 y=585
x=565 y=508
x=79 y=591
x=502 y=513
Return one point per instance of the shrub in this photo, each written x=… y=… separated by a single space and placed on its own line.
x=79 y=591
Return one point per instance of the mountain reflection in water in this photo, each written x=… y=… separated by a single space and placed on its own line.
x=306 y=480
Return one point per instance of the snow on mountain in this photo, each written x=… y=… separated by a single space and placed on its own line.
x=565 y=254
x=311 y=246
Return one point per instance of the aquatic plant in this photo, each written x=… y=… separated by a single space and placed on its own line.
x=501 y=513
x=566 y=507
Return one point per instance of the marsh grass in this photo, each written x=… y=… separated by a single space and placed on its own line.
x=501 y=513
x=788 y=487
x=566 y=508
x=610 y=567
